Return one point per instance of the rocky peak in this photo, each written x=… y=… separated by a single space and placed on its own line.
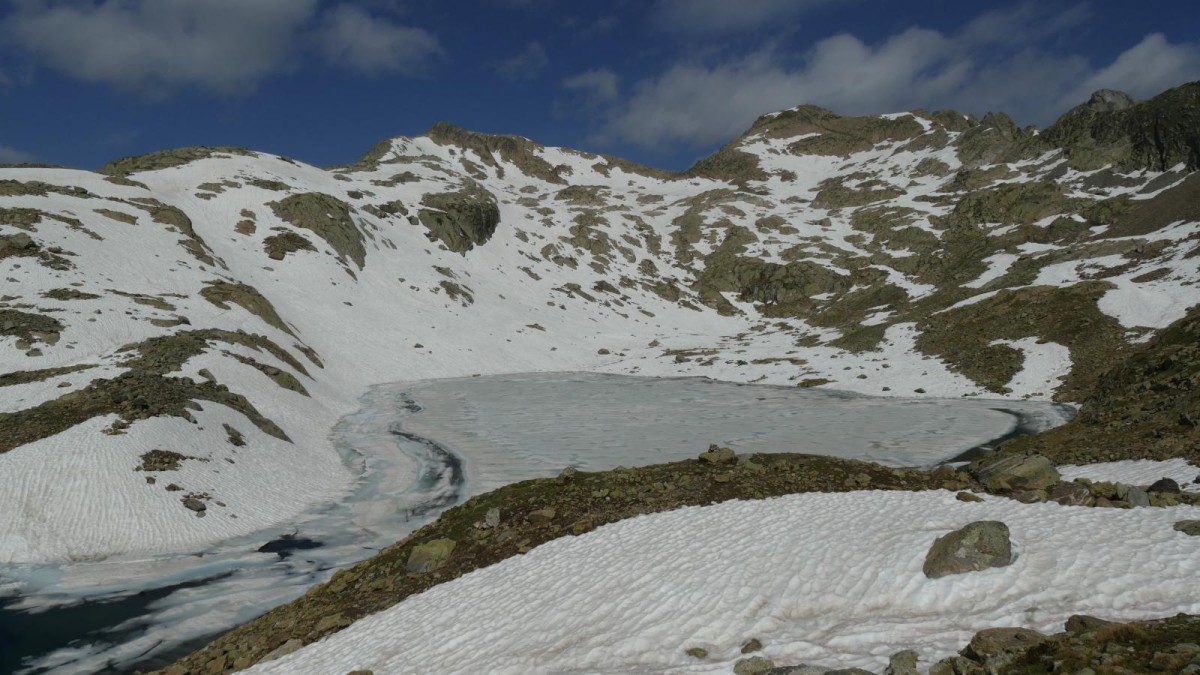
x=1110 y=128
x=517 y=150
x=1108 y=100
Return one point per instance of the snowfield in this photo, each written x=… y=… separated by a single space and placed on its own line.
x=832 y=580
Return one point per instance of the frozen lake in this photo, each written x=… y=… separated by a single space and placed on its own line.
x=420 y=447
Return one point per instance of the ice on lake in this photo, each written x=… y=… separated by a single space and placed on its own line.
x=419 y=447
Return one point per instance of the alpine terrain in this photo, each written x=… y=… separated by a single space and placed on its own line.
x=180 y=331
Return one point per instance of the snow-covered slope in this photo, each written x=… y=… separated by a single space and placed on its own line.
x=829 y=580
x=226 y=307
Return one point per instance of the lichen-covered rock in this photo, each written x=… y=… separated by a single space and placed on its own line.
x=430 y=555
x=1188 y=527
x=462 y=219
x=1071 y=494
x=956 y=665
x=995 y=648
x=902 y=663
x=755 y=665
x=718 y=455
x=1014 y=472
x=977 y=546
x=326 y=216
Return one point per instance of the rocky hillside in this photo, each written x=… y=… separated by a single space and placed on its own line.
x=227 y=306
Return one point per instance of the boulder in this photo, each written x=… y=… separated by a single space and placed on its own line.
x=1014 y=472
x=1137 y=497
x=430 y=555
x=956 y=665
x=1070 y=494
x=282 y=650
x=542 y=516
x=1082 y=623
x=975 y=547
x=718 y=455
x=1164 y=485
x=1189 y=527
x=902 y=663
x=755 y=665
x=995 y=648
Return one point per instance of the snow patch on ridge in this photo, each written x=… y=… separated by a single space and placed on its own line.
x=827 y=579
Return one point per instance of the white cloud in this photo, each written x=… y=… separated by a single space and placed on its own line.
x=599 y=85
x=13 y=156
x=525 y=64
x=351 y=37
x=153 y=46
x=1151 y=66
x=991 y=64
x=698 y=17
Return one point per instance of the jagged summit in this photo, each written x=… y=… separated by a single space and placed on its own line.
x=1111 y=128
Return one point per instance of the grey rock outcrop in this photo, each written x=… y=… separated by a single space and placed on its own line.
x=1014 y=472
x=902 y=663
x=975 y=547
x=462 y=219
x=995 y=648
x=430 y=555
x=1189 y=527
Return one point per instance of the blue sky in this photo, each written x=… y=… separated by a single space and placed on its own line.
x=662 y=82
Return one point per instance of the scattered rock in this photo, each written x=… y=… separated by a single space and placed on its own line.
x=718 y=455
x=751 y=645
x=1137 y=497
x=1189 y=527
x=1082 y=623
x=1031 y=496
x=542 y=516
x=235 y=437
x=491 y=519
x=1164 y=485
x=697 y=652
x=196 y=505
x=161 y=460
x=331 y=622
x=1014 y=472
x=995 y=648
x=1071 y=494
x=430 y=555
x=283 y=650
x=956 y=665
x=755 y=665
x=975 y=547
x=902 y=663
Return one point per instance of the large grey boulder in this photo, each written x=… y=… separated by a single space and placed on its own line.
x=1014 y=472
x=902 y=663
x=975 y=547
x=1189 y=527
x=755 y=665
x=1071 y=494
x=430 y=555
x=956 y=665
x=995 y=648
